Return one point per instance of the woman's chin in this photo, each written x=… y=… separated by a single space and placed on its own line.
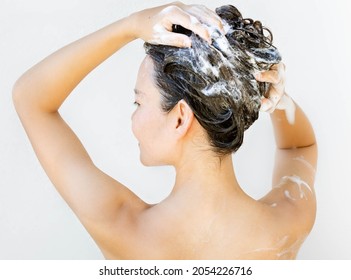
x=145 y=160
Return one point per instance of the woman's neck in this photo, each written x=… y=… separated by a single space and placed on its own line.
x=205 y=173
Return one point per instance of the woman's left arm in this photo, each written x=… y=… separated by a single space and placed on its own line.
x=296 y=153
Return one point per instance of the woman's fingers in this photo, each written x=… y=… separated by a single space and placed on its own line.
x=207 y=16
x=276 y=77
x=172 y=39
x=176 y=15
x=157 y=24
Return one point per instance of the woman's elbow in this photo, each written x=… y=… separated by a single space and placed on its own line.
x=24 y=95
x=18 y=90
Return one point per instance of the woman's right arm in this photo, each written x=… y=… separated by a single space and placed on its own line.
x=101 y=203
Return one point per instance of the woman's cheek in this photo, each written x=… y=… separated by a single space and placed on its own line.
x=140 y=123
x=135 y=123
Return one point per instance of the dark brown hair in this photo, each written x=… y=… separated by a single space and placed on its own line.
x=217 y=81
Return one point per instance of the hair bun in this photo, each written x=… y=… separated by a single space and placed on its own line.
x=217 y=80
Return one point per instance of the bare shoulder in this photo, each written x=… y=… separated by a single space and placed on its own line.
x=145 y=232
x=168 y=230
x=293 y=195
x=267 y=231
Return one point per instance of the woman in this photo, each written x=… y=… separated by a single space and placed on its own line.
x=207 y=215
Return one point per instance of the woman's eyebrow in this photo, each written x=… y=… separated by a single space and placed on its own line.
x=138 y=92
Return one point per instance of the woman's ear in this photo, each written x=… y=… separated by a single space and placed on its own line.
x=184 y=117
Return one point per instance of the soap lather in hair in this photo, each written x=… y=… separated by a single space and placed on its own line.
x=218 y=80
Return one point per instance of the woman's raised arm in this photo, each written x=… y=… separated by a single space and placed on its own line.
x=98 y=200
x=296 y=153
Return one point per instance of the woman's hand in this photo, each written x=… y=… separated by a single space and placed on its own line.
x=276 y=97
x=155 y=25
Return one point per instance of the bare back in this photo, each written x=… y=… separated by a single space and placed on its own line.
x=257 y=231
x=212 y=218
x=237 y=228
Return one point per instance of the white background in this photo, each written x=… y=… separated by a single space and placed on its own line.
x=314 y=39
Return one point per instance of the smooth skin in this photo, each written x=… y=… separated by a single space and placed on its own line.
x=207 y=215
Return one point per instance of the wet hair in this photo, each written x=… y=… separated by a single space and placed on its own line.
x=217 y=81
